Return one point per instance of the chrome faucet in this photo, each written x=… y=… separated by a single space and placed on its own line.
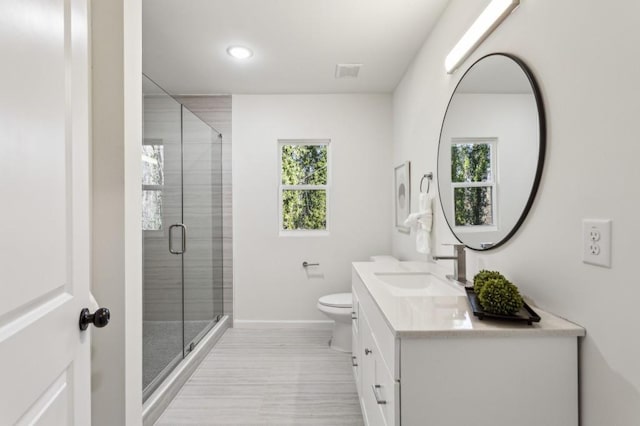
x=459 y=263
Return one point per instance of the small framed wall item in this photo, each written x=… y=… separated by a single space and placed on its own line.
x=402 y=195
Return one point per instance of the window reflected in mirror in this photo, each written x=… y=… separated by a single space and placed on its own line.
x=472 y=181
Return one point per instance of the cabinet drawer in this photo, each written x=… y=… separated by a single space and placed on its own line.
x=382 y=335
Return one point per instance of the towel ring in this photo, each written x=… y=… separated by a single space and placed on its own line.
x=428 y=176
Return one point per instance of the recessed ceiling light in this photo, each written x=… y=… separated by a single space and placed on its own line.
x=239 y=52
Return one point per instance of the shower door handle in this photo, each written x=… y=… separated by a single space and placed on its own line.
x=184 y=238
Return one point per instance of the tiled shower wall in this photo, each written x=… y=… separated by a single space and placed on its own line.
x=162 y=290
x=163 y=283
x=202 y=213
x=216 y=112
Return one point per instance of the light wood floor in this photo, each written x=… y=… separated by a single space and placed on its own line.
x=269 y=377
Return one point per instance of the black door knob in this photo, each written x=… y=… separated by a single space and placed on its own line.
x=99 y=318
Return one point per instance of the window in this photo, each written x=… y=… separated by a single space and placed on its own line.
x=473 y=182
x=304 y=185
x=152 y=184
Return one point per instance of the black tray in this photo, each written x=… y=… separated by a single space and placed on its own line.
x=526 y=314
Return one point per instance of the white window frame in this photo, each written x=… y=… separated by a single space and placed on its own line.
x=327 y=188
x=147 y=187
x=492 y=142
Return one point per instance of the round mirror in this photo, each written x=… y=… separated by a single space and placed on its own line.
x=491 y=151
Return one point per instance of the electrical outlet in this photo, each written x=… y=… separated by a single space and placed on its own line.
x=596 y=240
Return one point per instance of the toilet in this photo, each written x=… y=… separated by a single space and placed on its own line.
x=339 y=307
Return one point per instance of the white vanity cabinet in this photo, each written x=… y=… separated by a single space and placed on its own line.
x=440 y=367
x=377 y=384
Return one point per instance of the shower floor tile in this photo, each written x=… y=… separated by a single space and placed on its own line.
x=269 y=377
x=162 y=343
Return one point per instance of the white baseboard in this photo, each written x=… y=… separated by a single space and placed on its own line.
x=319 y=324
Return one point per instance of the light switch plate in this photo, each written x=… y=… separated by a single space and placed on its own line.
x=596 y=242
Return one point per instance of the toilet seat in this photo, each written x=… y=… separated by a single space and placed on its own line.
x=337 y=300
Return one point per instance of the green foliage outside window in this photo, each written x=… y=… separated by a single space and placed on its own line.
x=304 y=208
x=152 y=164
x=471 y=162
x=152 y=181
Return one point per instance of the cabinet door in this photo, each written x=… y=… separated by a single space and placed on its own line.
x=355 y=341
x=374 y=414
x=385 y=390
x=355 y=312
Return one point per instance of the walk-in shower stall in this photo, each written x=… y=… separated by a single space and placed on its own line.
x=182 y=233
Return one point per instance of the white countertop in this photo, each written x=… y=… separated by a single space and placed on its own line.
x=416 y=315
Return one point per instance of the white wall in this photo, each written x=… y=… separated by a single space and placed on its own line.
x=583 y=55
x=269 y=281
x=116 y=358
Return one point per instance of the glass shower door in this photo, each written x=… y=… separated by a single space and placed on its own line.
x=182 y=232
x=202 y=214
x=162 y=347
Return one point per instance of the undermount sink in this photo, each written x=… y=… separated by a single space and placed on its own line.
x=416 y=284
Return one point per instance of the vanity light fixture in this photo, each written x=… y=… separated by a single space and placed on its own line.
x=488 y=21
x=239 y=52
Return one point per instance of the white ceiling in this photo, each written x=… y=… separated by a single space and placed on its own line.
x=296 y=43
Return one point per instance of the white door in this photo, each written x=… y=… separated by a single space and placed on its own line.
x=44 y=212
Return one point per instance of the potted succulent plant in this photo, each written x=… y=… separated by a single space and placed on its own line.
x=496 y=294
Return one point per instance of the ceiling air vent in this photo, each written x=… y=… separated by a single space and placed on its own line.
x=347 y=70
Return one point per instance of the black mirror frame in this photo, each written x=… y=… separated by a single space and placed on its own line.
x=542 y=126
